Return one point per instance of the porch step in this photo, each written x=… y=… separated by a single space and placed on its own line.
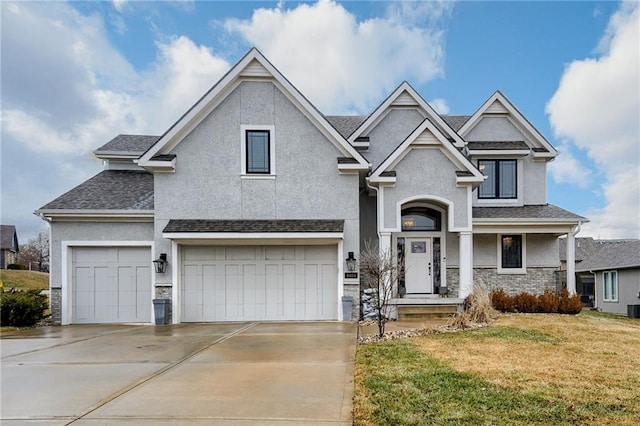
x=426 y=312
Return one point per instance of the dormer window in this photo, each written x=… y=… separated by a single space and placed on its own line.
x=501 y=182
x=258 y=151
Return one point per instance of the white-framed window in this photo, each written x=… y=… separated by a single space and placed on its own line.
x=610 y=286
x=512 y=254
x=257 y=151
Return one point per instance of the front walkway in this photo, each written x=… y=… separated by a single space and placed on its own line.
x=233 y=373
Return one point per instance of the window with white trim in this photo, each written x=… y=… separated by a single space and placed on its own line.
x=512 y=254
x=501 y=181
x=257 y=150
x=610 y=286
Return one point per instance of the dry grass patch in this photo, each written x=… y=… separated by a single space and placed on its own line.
x=591 y=362
x=24 y=280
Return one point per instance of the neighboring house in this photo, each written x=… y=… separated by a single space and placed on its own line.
x=585 y=283
x=9 y=247
x=256 y=199
x=614 y=266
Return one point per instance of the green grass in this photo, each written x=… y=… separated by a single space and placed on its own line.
x=24 y=280
x=525 y=369
x=418 y=389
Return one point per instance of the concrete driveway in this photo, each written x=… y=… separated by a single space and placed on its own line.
x=231 y=373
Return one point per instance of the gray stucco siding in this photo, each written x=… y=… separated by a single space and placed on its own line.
x=208 y=184
x=494 y=129
x=426 y=172
x=91 y=232
x=534 y=181
x=394 y=128
x=541 y=250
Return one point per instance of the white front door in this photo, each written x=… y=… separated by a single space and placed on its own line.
x=418 y=265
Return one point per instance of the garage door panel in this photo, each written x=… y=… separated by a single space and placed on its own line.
x=111 y=284
x=261 y=283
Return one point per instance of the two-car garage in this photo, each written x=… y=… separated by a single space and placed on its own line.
x=248 y=283
x=216 y=283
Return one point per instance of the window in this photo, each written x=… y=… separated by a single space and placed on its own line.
x=512 y=251
x=501 y=179
x=512 y=254
x=257 y=151
x=610 y=286
x=421 y=219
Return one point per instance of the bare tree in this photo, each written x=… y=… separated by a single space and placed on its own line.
x=36 y=251
x=380 y=271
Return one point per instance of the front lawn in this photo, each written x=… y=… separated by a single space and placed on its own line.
x=522 y=369
x=24 y=280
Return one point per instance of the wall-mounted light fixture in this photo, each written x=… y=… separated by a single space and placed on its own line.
x=351 y=262
x=160 y=264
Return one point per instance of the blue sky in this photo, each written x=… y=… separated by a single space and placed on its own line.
x=76 y=74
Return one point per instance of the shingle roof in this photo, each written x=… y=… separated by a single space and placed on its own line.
x=612 y=254
x=455 y=121
x=584 y=247
x=492 y=145
x=251 y=226
x=545 y=211
x=7 y=234
x=345 y=124
x=128 y=144
x=109 y=190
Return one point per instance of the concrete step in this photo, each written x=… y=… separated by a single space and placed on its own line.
x=425 y=312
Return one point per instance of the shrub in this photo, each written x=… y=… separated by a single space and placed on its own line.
x=548 y=302
x=22 y=308
x=17 y=266
x=571 y=305
x=502 y=301
x=477 y=310
x=526 y=302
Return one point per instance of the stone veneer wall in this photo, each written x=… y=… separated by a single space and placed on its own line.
x=535 y=281
x=453 y=281
x=353 y=290
x=55 y=305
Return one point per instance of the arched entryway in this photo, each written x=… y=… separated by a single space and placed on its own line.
x=420 y=247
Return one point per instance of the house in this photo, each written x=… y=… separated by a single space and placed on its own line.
x=585 y=284
x=9 y=247
x=250 y=204
x=614 y=268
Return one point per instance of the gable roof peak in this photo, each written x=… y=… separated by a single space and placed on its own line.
x=252 y=64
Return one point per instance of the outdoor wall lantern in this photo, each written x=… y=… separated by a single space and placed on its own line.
x=351 y=262
x=160 y=264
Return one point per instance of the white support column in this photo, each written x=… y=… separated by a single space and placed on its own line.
x=571 y=262
x=385 y=242
x=466 y=263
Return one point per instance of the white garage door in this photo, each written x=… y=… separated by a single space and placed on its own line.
x=258 y=283
x=111 y=284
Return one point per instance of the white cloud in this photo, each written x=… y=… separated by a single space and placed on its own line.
x=66 y=97
x=440 y=105
x=566 y=168
x=119 y=5
x=597 y=108
x=345 y=65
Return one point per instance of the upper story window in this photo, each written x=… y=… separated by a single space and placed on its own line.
x=421 y=219
x=610 y=286
x=501 y=182
x=258 y=150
